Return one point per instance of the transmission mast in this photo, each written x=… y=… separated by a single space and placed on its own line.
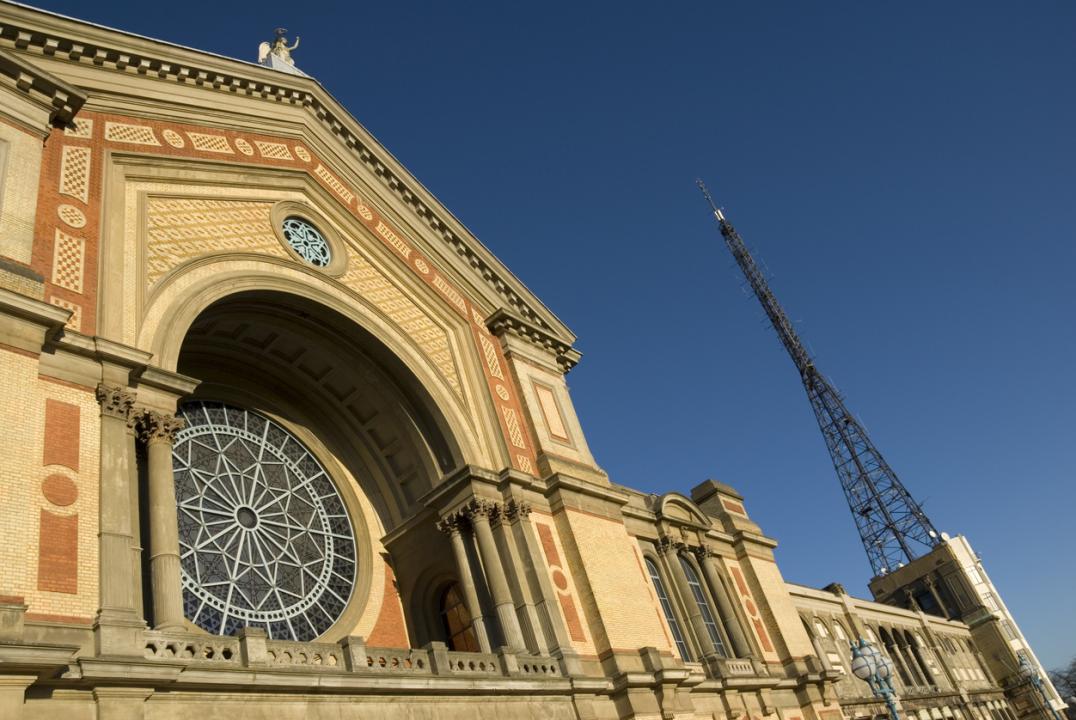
x=892 y=526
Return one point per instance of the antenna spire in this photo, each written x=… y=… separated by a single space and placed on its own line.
x=892 y=525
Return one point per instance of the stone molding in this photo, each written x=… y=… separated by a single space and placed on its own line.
x=35 y=32
x=44 y=89
x=504 y=321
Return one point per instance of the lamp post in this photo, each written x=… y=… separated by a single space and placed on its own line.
x=876 y=670
x=1031 y=675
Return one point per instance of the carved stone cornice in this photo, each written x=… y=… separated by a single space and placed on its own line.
x=35 y=32
x=504 y=321
x=159 y=427
x=115 y=402
x=45 y=90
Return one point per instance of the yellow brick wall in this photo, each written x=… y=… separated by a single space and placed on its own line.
x=20 y=154
x=602 y=551
x=22 y=415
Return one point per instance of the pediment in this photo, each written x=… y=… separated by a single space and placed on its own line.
x=164 y=76
x=678 y=508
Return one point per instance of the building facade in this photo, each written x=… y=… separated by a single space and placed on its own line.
x=282 y=439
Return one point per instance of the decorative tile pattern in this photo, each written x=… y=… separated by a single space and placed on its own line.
x=210 y=143
x=515 y=433
x=338 y=187
x=174 y=139
x=243 y=146
x=130 y=134
x=71 y=216
x=450 y=293
x=75 y=172
x=82 y=128
x=68 y=259
x=490 y=353
x=371 y=284
x=278 y=151
x=302 y=153
x=393 y=239
x=181 y=229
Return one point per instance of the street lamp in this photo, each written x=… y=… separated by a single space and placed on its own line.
x=1031 y=675
x=876 y=670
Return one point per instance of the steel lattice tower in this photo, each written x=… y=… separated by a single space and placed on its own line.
x=891 y=524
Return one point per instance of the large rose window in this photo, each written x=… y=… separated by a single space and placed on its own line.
x=264 y=535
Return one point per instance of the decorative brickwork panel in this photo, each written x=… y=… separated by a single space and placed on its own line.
x=81 y=128
x=61 y=434
x=273 y=150
x=390 y=630
x=59 y=490
x=210 y=143
x=75 y=321
x=181 y=229
x=68 y=261
x=130 y=134
x=338 y=187
x=57 y=560
x=75 y=172
x=560 y=583
x=554 y=421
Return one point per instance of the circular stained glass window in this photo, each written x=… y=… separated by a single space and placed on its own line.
x=306 y=240
x=264 y=536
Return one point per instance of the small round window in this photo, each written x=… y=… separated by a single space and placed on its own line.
x=306 y=240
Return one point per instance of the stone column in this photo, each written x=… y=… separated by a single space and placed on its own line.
x=136 y=523
x=117 y=622
x=479 y=513
x=159 y=431
x=740 y=647
x=670 y=552
x=523 y=594
x=451 y=525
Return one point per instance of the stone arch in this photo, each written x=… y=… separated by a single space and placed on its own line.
x=677 y=508
x=178 y=302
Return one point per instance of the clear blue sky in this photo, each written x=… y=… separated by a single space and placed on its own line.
x=906 y=172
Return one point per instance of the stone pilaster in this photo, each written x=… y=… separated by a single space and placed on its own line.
x=523 y=590
x=159 y=431
x=452 y=525
x=480 y=512
x=118 y=625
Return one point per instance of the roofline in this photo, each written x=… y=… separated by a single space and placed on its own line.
x=35 y=31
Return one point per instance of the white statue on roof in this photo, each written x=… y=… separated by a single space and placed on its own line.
x=277 y=55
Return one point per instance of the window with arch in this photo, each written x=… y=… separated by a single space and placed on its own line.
x=459 y=628
x=708 y=617
x=839 y=630
x=666 y=608
x=821 y=628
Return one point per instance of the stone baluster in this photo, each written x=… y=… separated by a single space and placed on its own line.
x=479 y=512
x=725 y=608
x=452 y=525
x=159 y=431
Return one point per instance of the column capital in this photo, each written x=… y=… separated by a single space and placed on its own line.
x=115 y=401
x=451 y=524
x=482 y=508
x=159 y=427
x=517 y=509
x=702 y=552
x=667 y=545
